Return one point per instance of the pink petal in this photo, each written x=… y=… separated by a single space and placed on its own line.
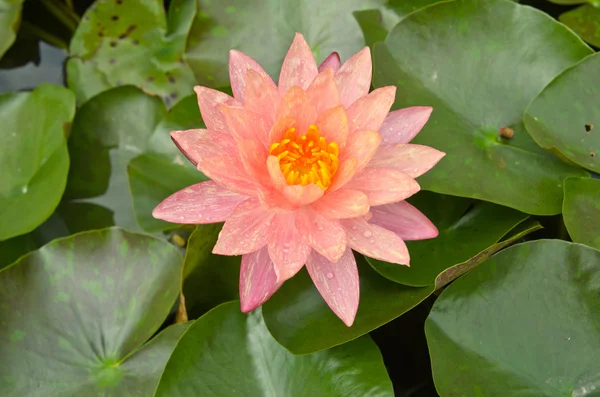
x=324 y=235
x=333 y=125
x=368 y=112
x=209 y=101
x=299 y=195
x=402 y=125
x=361 y=146
x=245 y=230
x=384 y=185
x=299 y=67
x=297 y=106
x=337 y=283
x=343 y=203
x=344 y=174
x=190 y=142
x=286 y=248
x=258 y=281
x=413 y=160
x=332 y=61
x=262 y=96
x=239 y=64
x=354 y=77
x=405 y=220
x=246 y=125
x=204 y=202
x=375 y=242
x=275 y=200
x=323 y=92
x=277 y=179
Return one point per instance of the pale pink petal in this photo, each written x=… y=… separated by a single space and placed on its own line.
x=405 y=220
x=204 y=202
x=280 y=127
x=344 y=174
x=368 y=112
x=262 y=96
x=326 y=236
x=323 y=92
x=245 y=230
x=274 y=200
x=239 y=64
x=209 y=101
x=246 y=125
x=375 y=242
x=333 y=125
x=258 y=281
x=343 y=203
x=361 y=146
x=299 y=67
x=353 y=78
x=332 y=61
x=413 y=160
x=338 y=283
x=286 y=248
x=384 y=185
x=296 y=105
x=402 y=125
x=299 y=195
x=277 y=179
x=190 y=143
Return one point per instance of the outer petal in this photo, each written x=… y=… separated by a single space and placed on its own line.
x=354 y=77
x=337 y=283
x=384 y=185
x=239 y=64
x=362 y=147
x=204 y=202
x=333 y=125
x=262 y=96
x=324 y=235
x=258 y=280
x=286 y=248
x=296 y=105
x=375 y=242
x=368 y=112
x=190 y=143
x=332 y=61
x=299 y=195
x=343 y=203
x=299 y=67
x=413 y=160
x=405 y=220
x=402 y=125
x=323 y=92
x=209 y=102
x=245 y=230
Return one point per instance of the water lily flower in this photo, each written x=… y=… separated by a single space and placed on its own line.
x=304 y=172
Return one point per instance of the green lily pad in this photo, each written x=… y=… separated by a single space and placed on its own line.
x=581 y=210
x=299 y=319
x=10 y=18
x=464 y=236
x=585 y=21
x=265 y=29
x=77 y=313
x=371 y=24
x=33 y=156
x=133 y=42
x=525 y=322
x=226 y=353
x=565 y=117
x=435 y=57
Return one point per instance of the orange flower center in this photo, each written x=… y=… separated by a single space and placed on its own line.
x=307 y=158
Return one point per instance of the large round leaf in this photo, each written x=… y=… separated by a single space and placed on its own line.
x=75 y=316
x=563 y=116
x=585 y=21
x=581 y=210
x=227 y=353
x=10 y=17
x=523 y=323
x=33 y=156
x=132 y=42
x=299 y=319
x=479 y=73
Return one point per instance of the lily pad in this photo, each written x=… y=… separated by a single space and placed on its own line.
x=299 y=319
x=133 y=42
x=585 y=21
x=10 y=18
x=227 y=353
x=465 y=235
x=581 y=210
x=77 y=313
x=565 y=117
x=33 y=156
x=436 y=56
x=525 y=321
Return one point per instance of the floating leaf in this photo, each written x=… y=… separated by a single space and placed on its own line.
x=585 y=21
x=435 y=57
x=581 y=210
x=525 y=321
x=10 y=18
x=227 y=353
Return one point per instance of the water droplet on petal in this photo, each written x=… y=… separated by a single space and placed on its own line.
x=372 y=241
x=240 y=70
x=181 y=218
x=200 y=216
x=392 y=129
x=301 y=81
x=319 y=228
x=354 y=227
x=286 y=250
x=367 y=233
x=329 y=275
x=286 y=245
x=416 y=170
x=386 y=140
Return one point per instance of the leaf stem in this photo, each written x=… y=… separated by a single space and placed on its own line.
x=47 y=37
x=64 y=14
